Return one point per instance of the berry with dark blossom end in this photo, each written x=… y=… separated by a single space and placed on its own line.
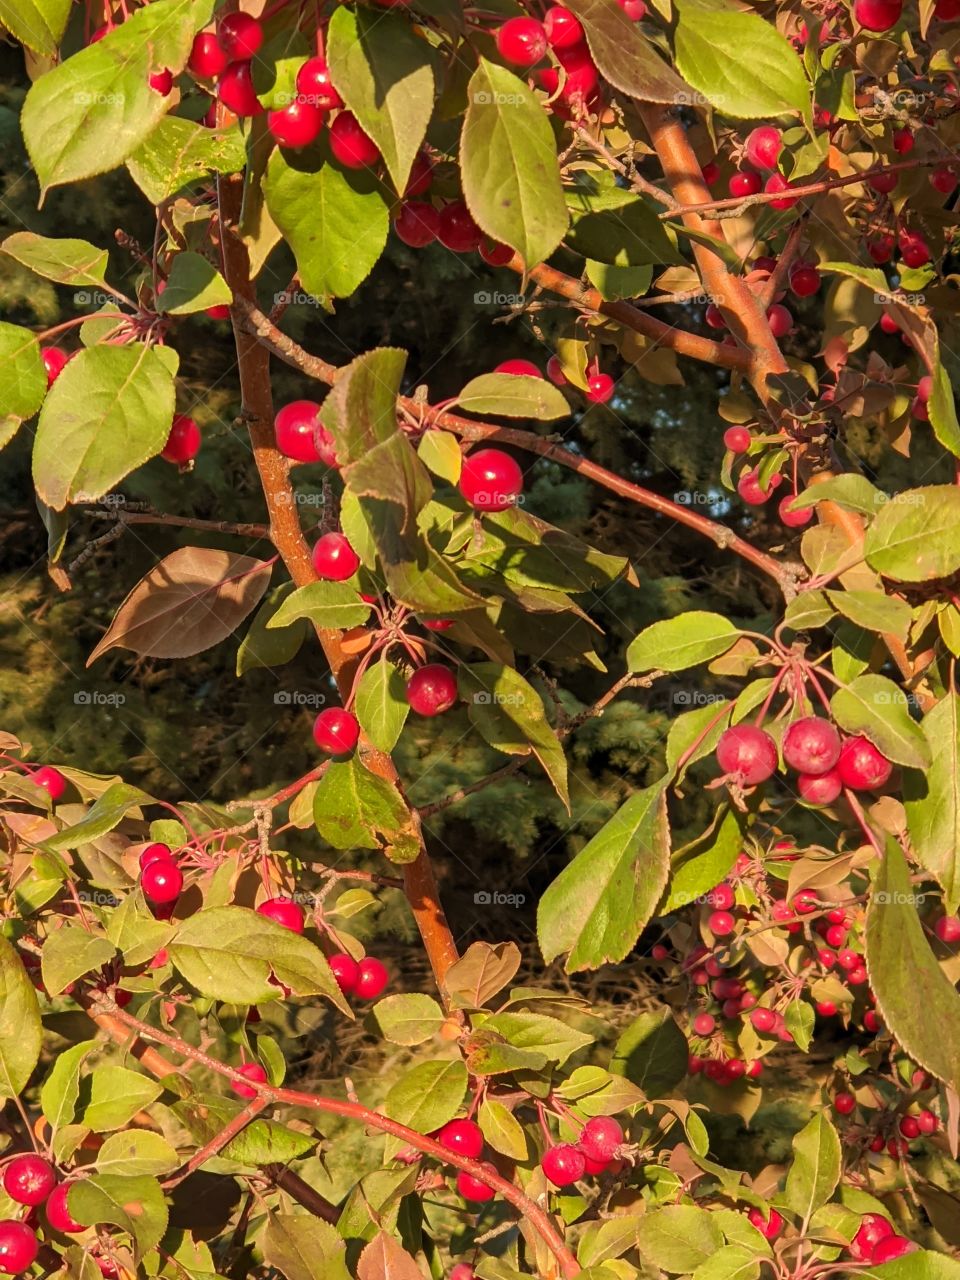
x=562 y=28
x=704 y=1024
x=354 y=148
x=769 y=1225
x=240 y=36
x=844 y=1103
x=156 y=852
x=737 y=439
x=251 y=1071
x=877 y=15
x=522 y=41
x=207 y=57
x=811 y=745
x=432 y=689
x=56 y=1212
x=747 y=753
x=745 y=182
x=600 y=1138
x=456 y=229
x=947 y=929
x=861 y=766
x=821 y=788
x=161 y=883
x=183 y=442
x=600 y=387
x=283 y=911
x=416 y=223
x=490 y=480
x=346 y=971
x=54 y=361
x=29 y=1179
x=334 y=560
x=235 y=90
x=519 y=368
x=472 y=1188
x=563 y=1164
x=336 y=731
x=763 y=146
x=372 y=978
x=297 y=124
x=294 y=428
x=50 y=780
x=18 y=1247
x=464 y=1137
x=314 y=84
x=793 y=519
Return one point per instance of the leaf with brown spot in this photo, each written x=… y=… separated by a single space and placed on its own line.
x=190 y=601
x=481 y=972
x=385 y=1258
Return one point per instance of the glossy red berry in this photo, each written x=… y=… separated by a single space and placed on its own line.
x=914 y=250
x=877 y=15
x=562 y=28
x=283 y=911
x=494 y=253
x=56 y=1212
x=925 y=388
x=600 y=1138
x=747 y=753
x=634 y=9
x=432 y=689
x=336 y=731
x=240 y=36
x=372 y=978
x=207 y=58
x=251 y=1071
x=156 y=852
x=456 y=229
x=811 y=745
x=769 y=1225
x=704 y=1024
x=903 y=141
x=54 y=361
x=745 y=182
x=880 y=248
x=891 y=1247
x=721 y=923
x=297 y=124
x=438 y=624
x=161 y=882
x=314 y=84
x=793 y=519
x=462 y=1271
x=927 y=1122
x=805 y=280
x=18 y=1247
x=909 y=1126
x=777 y=183
x=295 y=428
x=749 y=489
x=944 y=179
x=463 y=1137
x=51 y=780
x=219 y=312
x=522 y=41
x=947 y=929
x=737 y=439
x=578 y=86
x=350 y=145
x=763 y=146
x=844 y=1103
x=861 y=766
x=600 y=387
x=183 y=442
x=490 y=480
x=721 y=897
x=235 y=90
x=416 y=223
x=29 y=1179
x=563 y=1164
x=472 y=1188
x=519 y=368
x=346 y=971
x=889 y=323
x=555 y=372
x=780 y=320
x=334 y=560
x=763 y=1019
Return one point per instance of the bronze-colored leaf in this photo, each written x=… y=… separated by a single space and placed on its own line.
x=482 y=971
x=385 y=1258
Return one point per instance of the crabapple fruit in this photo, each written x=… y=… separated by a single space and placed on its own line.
x=490 y=480
x=372 y=978
x=432 y=689
x=811 y=745
x=346 y=971
x=50 y=780
x=463 y=1137
x=183 y=442
x=350 y=145
x=334 y=560
x=251 y=1071
x=29 y=1179
x=283 y=911
x=18 y=1247
x=600 y=1138
x=861 y=766
x=563 y=1164
x=748 y=753
x=294 y=428
x=336 y=731
x=56 y=1212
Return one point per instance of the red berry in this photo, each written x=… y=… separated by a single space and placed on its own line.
x=873 y=1228
x=54 y=361
x=600 y=1138
x=909 y=1126
x=334 y=560
x=769 y=1226
x=763 y=146
x=563 y=1164
x=711 y=172
x=29 y=1179
x=883 y=182
x=804 y=280
x=490 y=480
x=472 y=1188
x=323 y=443
x=336 y=731
x=432 y=689
x=763 y=1019
x=634 y=9
x=600 y=387
x=944 y=179
x=747 y=753
x=519 y=368
x=462 y=1271
x=748 y=487
x=155 y=853
x=562 y=28
x=417 y=223
x=350 y=145
x=494 y=253
x=721 y=897
x=877 y=15
x=714 y=318
x=836 y=935
x=925 y=388
x=844 y=1103
x=913 y=248
x=903 y=141
x=891 y=1247
x=522 y=41
x=861 y=766
x=871 y=1022
x=555 y=372
x=161 y=882
x=219 y=312
x=880 y=248
x=346 y=971
x=161 y=81
x=297 y=124
x=51 y=780
x=826 y=1008
x=235 y=90
x=183 y=442
x=207 y=58
x=294 y=428
x=927 y=1122
x=18 y=1247
x=721 y=923
x=314 y=85
x=283 y=911
x=811 y=745
x=704 y=1024
x=777 y=182
x=737 y=439
x=438 y=624
x=252 y=1071
x=793 y=519
x=372 y=978
x=57 y=1213
x=745 y=182
x=240 y=36
x=947 y=928
x=780 y=320
x=463 y=1137
x=421 y=176
x=457 y=230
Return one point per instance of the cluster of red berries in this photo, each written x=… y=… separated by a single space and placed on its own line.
x=595 y=1151
x=31 y=1181
x=161 y=879
x=824 y=762
x=876 y=1241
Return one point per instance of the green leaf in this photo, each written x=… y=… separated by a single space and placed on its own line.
x=513 y=396
x=932 y=800
x=266 y=646
x=555 y=1039
x=615 y=226
x=624 y=56
x=924 y=1264
x=39 y=24
x=108 y=412
x=336 y=223
x=738 y=61
x=192 y=285
x=88 y=114
x=732 y=1262
x=178 y=152
x=916 y=999
x=113 y=1095
x=132 y=930
x=69 y=262
x=20 y=1031
x=874 y=611
x=137 y=1152
x=69 y=953
x=61 y=1089
x=324 y=604
x=23 y=379
x=354 y=808
x=439 y=451
x=112 y=807
x=652 y=1052
x=508 y=713
x=851 y=490
x=508 y=164
x=876 y=707
x=618 y=282
x=941 y=408
x=261 y=1142
x=501 y=1129
x=406 y=1019
x=815 y=1172
x=381 y=704
x=136 y=1205
x=678 y=1238
x=229 y=953
x=425 y=1098
x=678 y=643
x=384 y=73
x=302 y=1247
x=706 y=868
x=597 y=906
x=916 y=536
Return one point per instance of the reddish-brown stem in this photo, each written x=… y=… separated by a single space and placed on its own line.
x=217 y=1143
x=122 y=516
